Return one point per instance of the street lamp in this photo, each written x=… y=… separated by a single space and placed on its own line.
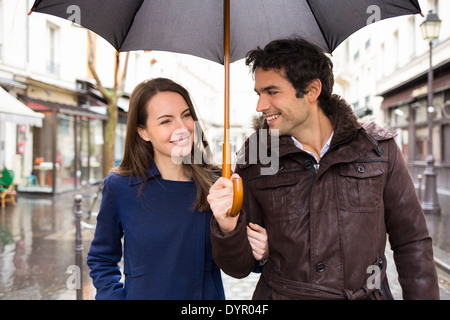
x=430 y=204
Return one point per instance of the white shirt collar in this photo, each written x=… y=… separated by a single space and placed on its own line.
x=324 y=150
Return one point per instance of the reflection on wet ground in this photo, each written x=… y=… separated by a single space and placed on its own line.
x=37 y=244
x=36 y=247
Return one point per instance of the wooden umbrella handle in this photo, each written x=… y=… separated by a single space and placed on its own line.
x=238 y=188
x=238 y=196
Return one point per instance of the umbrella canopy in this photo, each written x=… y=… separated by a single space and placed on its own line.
x=223 y=30
x=197 y=26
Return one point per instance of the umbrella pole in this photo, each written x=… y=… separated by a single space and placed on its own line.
x=238 y=190
x=226 y=163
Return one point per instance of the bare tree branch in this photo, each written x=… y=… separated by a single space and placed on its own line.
x=124 y=74
x=92 y=68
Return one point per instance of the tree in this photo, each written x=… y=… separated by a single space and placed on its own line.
x=111 y=96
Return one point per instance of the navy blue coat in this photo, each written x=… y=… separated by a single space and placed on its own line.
x=166 y=244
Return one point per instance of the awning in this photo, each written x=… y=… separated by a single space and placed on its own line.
x=48 y=106
x=13 y=110
x=417 y=87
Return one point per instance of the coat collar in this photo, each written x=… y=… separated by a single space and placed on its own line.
x=152 y=173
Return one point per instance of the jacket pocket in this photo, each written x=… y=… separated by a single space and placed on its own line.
x=278 y=196
x=134 y=283
x=361 y=186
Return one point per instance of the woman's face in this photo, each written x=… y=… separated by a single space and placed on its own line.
x=169 y=127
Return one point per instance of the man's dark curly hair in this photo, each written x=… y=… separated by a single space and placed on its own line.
x=301 y=62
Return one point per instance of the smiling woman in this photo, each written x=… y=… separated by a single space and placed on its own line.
x=170 y=130
x=160 y=119
x=158 y=205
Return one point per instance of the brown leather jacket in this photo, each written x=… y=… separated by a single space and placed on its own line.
x=327 y=223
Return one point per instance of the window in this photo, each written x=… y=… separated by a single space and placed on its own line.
x=1 y=29
x=399 y=116
x=65 y=153
x=412 y=36
x=395 y=50
x=446 y=143
x=421 y=143
x=53 y=45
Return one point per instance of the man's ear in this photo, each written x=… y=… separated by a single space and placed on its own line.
x=143 y=134
x=314 y=89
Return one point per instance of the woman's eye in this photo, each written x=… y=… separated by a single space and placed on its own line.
x=165 y=122
x=187 y=115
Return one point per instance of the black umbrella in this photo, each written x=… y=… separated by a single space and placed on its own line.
x=218 y=31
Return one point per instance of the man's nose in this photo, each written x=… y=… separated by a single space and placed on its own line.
x=262 y=104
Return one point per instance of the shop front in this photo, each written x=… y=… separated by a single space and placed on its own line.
x=406 y=112
x=16 y=123
x=67 y=150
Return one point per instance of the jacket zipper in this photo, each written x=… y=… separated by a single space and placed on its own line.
x=316 y=167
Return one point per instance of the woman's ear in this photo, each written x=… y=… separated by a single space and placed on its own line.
x=143 y=134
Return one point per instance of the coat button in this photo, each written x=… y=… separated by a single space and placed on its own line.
x=361 y=168
x=307 y=164
x=320 y=267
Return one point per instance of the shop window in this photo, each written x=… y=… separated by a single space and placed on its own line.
x=421 y=115
x=446 y=143
x=65 y=153
x=402 y=140
x=38 y=177
x=119 y=144
x=96 y=150
x=399 y=116
x=83 y=159
x=422 y=143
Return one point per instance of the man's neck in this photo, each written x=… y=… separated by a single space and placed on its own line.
x=316 y=134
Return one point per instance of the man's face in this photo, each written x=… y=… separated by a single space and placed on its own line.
x=278 y=102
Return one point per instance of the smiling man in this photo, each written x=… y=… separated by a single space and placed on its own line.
x=342 y=186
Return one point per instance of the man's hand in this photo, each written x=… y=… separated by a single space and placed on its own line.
x=257 y=236
x=220 y=199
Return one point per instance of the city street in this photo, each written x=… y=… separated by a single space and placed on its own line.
x=38 y=245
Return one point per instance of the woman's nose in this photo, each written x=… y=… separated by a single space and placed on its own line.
x=180 y=124
x=180 y=127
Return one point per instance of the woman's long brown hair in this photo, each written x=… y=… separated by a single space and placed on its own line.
x=139 y=153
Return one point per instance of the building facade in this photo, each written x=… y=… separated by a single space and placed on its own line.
x=44 y=65
x=382 y=71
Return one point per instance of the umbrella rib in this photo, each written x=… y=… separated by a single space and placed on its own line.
x=36 y=3
x=320 y=27
x=416 y=5
x=132 y=21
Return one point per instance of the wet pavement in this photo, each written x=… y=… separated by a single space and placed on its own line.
x=37 y=245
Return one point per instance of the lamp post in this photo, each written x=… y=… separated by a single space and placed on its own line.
x=430 y=204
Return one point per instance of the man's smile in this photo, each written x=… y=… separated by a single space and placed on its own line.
x=271 y=118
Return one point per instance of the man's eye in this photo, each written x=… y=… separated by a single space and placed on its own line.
x=271 y=93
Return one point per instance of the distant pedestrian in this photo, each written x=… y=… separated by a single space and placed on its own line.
x=341 y=187
x=156 y=201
